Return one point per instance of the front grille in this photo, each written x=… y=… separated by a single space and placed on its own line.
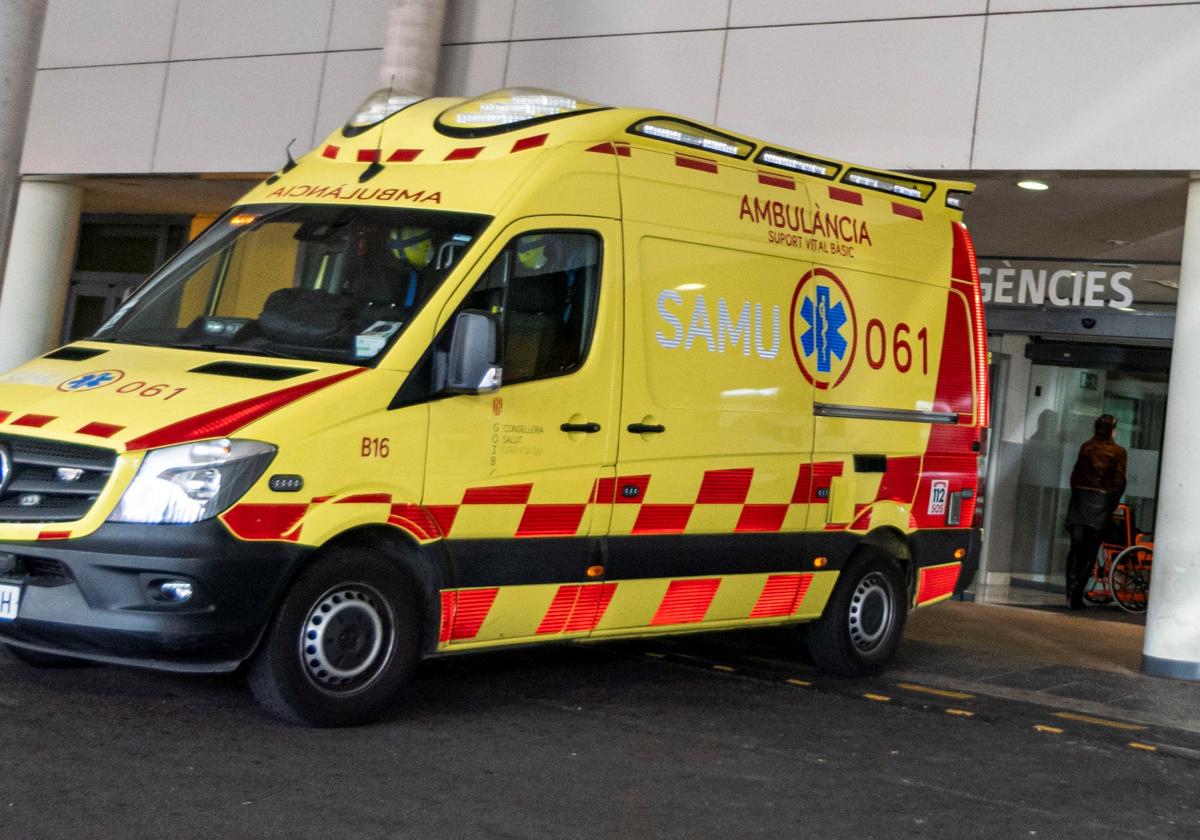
x=52 y=481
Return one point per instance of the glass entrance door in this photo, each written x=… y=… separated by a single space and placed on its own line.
x=1063 y=404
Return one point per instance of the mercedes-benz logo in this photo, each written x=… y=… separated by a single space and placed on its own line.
x=5 y=467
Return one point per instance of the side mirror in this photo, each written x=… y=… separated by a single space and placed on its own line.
x=473 y=366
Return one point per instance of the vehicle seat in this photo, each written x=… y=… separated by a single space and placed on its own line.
x=535 y=340
x=308 y=317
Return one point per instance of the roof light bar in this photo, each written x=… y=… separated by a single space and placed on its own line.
x=957 y=199
x=378 y=107
x=510 y=107
x=919 y=190
x=697 y=137
x=798 y=163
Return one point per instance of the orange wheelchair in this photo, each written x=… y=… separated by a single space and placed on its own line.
x=1121 y=572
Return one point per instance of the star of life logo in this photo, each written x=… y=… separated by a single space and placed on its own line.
x=91 y=381
x=824 y=328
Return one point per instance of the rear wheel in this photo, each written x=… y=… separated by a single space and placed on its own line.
x=1129 y=579
x=343 y=644
x=864 y=620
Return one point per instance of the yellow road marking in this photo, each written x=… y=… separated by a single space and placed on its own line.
x=940 y=692
x=1112 y=724
x=722 y=668
x=1041 y=727
x=653 y=655
x=1140 y=746
x=960 y=712
x=799 y=682
x=878 y=698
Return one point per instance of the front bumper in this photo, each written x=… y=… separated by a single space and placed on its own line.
x=96 y=597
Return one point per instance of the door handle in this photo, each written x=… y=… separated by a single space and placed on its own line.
x=589 y=428
x=646 y=428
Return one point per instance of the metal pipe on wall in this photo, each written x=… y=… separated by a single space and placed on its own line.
x=21 y=23
x=413 y=45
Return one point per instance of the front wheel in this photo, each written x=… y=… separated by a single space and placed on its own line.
x=343 y=644
x=864 y=620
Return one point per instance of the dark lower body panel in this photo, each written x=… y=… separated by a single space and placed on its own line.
x=97 y=597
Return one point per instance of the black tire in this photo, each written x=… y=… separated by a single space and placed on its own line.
x=45 y=660
x=863 y=622
x=342 y=645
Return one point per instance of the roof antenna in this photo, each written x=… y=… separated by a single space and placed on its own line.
x=376 y=166
x=287 y=167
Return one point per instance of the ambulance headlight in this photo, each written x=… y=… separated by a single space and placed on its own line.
x=192 y=482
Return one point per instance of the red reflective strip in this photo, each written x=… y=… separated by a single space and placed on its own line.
x=54 y=535
x=761 y=518
x=938 y=582
x=965 y=266
x=909 y=212
x=848 y=196
x=555 y=619
x=701 y=164
x=899 y=483
x=662 y=519
x=101 y=430
x=725 y=487
x=444 y=516
x=416 y=520
x=814 y=477
x=529 y=143
x=465 y=153
x=776 y=181
x=590 y=606
x=368 y=155
x=265 y=522
x=35 y=421
x=551 y=520
x=629 y=483
x=686 y=601
x=366 y=499
x=620 y=149
x=471 y=609
x=862 y=517
x=781 y=595
x=505 y=494
x=227 y=420
x=4 y=415
x=603 y=491
x=330 y=152
x=448 y=599
x=404 y=155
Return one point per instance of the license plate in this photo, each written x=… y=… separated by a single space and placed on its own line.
x=10 y=599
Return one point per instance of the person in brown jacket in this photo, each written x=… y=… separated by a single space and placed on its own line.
x=1097 y=483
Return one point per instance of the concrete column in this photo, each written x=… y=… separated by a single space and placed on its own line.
x=413 y=45
x=39 y=269
x=1172 y=643
x=20 y=39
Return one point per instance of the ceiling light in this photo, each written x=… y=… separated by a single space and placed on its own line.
x=1037 y=186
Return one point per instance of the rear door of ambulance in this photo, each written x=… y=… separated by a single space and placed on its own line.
x=716 y=425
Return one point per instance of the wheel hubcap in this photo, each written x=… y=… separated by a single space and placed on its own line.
x=345 y=637
x=871 y=613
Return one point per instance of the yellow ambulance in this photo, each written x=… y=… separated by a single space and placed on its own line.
x=514 y=369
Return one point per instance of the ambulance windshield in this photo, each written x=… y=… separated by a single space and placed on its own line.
x=313 y=282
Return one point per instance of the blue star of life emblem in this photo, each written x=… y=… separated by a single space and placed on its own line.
x=90 y=380
x=823 y=335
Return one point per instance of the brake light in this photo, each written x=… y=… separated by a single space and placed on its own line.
x=964 y=266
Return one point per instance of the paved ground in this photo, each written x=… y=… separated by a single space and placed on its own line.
x=695 y=737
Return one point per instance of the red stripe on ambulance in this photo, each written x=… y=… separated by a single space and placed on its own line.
x=686 y=601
